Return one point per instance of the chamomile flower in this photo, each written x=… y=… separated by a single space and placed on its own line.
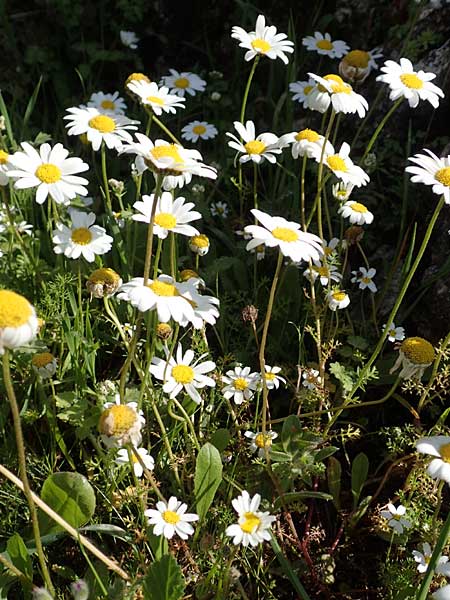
x=24 y=228
x=264 y=41
x=332 y=247
x=311 y=379
x=184 y=83
x=364 y=277
x=432 y=170
x=437 y=446
x=342 y=191
x=148 y=460
x=260 y=441
x=255 y=148
x=331 y=89
x=395 y=518
x=324 y=45
x=273 y=379
x=325 y=273
x=108 y=103
x=343 y=167
x=357 y=64
x=407 y=83
x=44 y=364
x=4 y=167
x=286 y=235
x=18 y=321
x=253 y=526
x=199 y=244
x=171 y=518
x=181 y=372
x=423 y=560
x=83 y=238
x=121 y=424
x=196 y=130
x=157 y=98
x=396 y=334
x=49 y=171
x=301 y=90
x=415 y=355
x=306 y=142
x=219 y=209
x=337 y=299
x=356 y=213
x=113 y=130
x=129 y=39
x=172 y=215
x=240 y=384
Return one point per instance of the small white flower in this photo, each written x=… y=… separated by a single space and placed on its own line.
x=337 y=299
x=157 y=98
x=330 y=248
x=196 y=130
x=439 y=447
x=253 y=526
x=172 y=215
x=423 y=558
x=147 y=459
x=184 y=83
x=273 y=379
x=121 y=424
x=301 y=90
x=432 y=170
x=323 y=44
x=342 y=191
x=263 y=41
x=129 y=39
x=343 y=167
x=395 y=518
x=108 y=103
x=395 y=333
x=240 y=384
x=111 y=129
x=83 y=238
x=44 y=364
x=331 y=89
x=357 y=213
x=260 y=441
x=306 y=142
x=219 y=209
x=255 y=148
x=365 y=279
x=414 y=356
x=171 y=518
x=325 y=273
x=311 y=379
x=24 y=227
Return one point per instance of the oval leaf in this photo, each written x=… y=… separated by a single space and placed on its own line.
x=19 y=556
x=360 y=468
x=164 y=580
x=208 y=475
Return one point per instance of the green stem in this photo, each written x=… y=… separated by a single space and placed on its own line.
x=422 y=594
x=105 y=181
x=157 y=257
x=22 y=244
x=166 y=131
x=377 y=131
x=302 y=194
x=148 y=251
x=317 y=201
x=173 y=261
x=247 y=88
x=189 y=423
x=80 y=299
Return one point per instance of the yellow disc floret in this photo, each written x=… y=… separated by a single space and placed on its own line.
x=166 y=151
x=261 y=45
x=107 y=105
x=358 y=207
x=336 y=163
x=165 y=220
x=3 y=157
x=418 y=350
x=251 y=522
x=117 y=420
x=15 y=310
x=443 y=176
x=137 y=77
x=81 y=236
x=339 y=296
x=183 y=374
x=102 y=123
x=240 y=384
x=201 y=241
x=411 y=81
x=182 y=83
x=358 y=59
x=104 y=276
x=284 y=234
x=199 y=129
x=307 y=134
x=338 y=85
x=42 y=359
x=255 y=147
x=160 y=288
x=263 y=440
x=155 y=100
x=324 y=45
x=48 y=173
x=171 y=517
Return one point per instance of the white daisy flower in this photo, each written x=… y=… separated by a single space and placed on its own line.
x=180 y=373
x=442 y=593
x=364 y=277
x=18 y=321
x=263 y=41
x=219 y=209
x=412 y=85
x=121 y=424
x=171 y=518
x=4 y=167
x=423 y=559
x=113 y=130
x=260 y=441
x=49 y=171
x=337 y=299
x=357 y=213
x=306 y=142
x=324 y=45
x=83 y=238
x=415 y=356
x=357 y=64
x=342 y=191
x=177 y=163
x=273 y=379
x=44 y=364
x=199 y=244
x=301 y=90
x=287 y=235
x=196 y=130
x=439 y=447
x=184 y=83
x=331 y=89
x=129 y=39
x=172 y=215
x=332 y=247
x=432 y=170
x=240 y=384
x=311 y=379
x=157 y=98
x=255 y=148
x=325 y=273
x=343 y=167
x=395 y=333
x=24 y=228
x=108 y=103
x=395 y=518
x=148 y=460
x=253 y=526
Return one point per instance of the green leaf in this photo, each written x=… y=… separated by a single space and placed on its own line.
x=291 y=433
x=19 y=556
x=30 y=105
x=220 y=439
x=334 y=473
x=360 y=468
x=344 y=375
x=360 y=512
x=289 y=571
x=208 y=476
x=6 y=581
x=164 y=580
x=71 y=496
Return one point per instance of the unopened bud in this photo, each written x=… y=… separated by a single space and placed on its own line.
x=354 y=234
x=116 y=186
x=103 y=282
x=79 y=589
x=163 y=331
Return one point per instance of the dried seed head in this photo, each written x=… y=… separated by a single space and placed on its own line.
x=250 y=314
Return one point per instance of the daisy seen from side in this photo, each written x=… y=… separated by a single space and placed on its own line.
x=429 y=169
x=157 y=98
x=172 y=215
x=331 y=89
x=253 y=526
x=113 y=130
x=301 y=91
x=357 y=64
x=82 y=238
x=170 y=518
x=337 y=299
x=324 y=45
x=121 y=424
x=18 y=321
x=122 y=459
x=107 y=103
x=306 y=142
x=264 y=41
x=356 y=213
x=4 y=167
x=184 y=83
x=437 y=446
x=44 y=364
x=415 y=355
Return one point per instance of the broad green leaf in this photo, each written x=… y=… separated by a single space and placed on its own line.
x=71 y=496
x=334 y=472
x=288 y=569
x=208 y=476
x=360 y=512
x=164 y=580
x=220 y=439
x=360 y=468
x=291 y=433
x=19 y=555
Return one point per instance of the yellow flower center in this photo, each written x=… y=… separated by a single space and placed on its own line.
x=137 y=77
x=308 y=89
x=183 y=374
x=251 y=523
x=263 y=440
x=270 y=376
x=328 y=251
x=307 y=134
x=444 y=451
x=336 y=163
x=170 y=517
x=182 y=83
x=261 y=45
x=199 y=129
x=108 y=105
x=165 y=220
x=324 y=45
x=48 y=173
x=392 y=332
x=358 y=207
x=443 y=176
x=160 y=288
x=322 y=271
x=102 y=123
x=3 y=157
x=411 y=81
x=104 y=276
x=284 y=234
x=366 y=280
x=120 y=419
x=42 y=359
x=15 y=310
x=166 y=151
x=81 y=236
x=418 y=350
x=338 y=296
x=240 y=384
x=186 y=274
x=155 y=100
x=338 y=85
x=358 y=59
x=201 y=241
x=255 y=147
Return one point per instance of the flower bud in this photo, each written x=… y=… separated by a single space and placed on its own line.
x=103 y=282
x=163 y=331
x=199 y=244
